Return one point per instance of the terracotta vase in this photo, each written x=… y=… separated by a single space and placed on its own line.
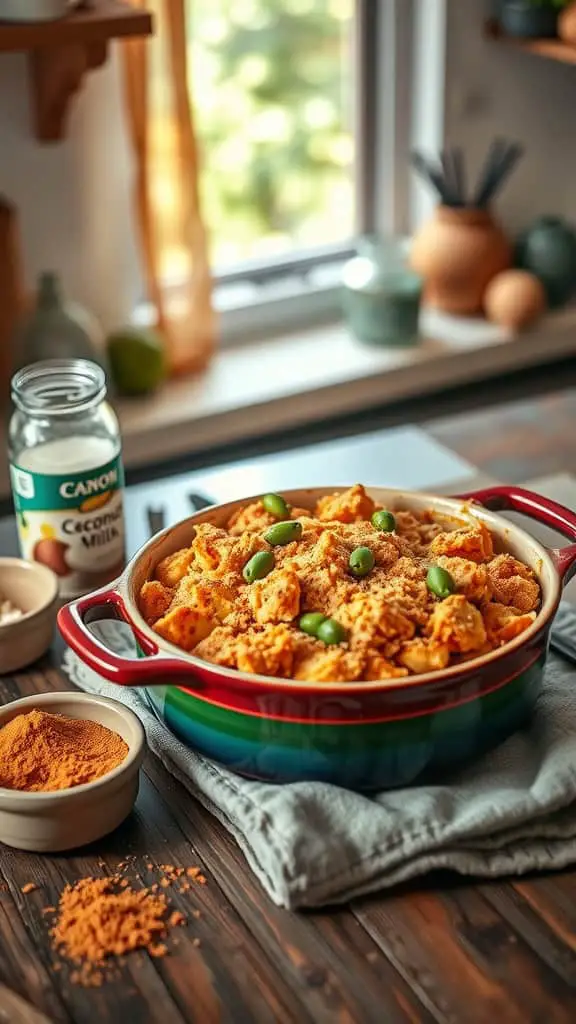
x=457 y=253
x=567 y=25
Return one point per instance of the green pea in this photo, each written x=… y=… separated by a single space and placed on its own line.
x=258 y=566
x=276 y=506
x=440 y=582
x=384 y=520
x=310 y=622
x=331 y=632
x=361 y=561
x=284 y=533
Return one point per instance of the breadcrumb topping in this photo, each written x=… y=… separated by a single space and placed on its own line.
x=393 y=623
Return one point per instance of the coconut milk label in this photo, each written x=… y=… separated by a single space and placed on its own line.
x=73 y=524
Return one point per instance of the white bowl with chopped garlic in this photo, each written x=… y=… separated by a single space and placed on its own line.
x=28 y=606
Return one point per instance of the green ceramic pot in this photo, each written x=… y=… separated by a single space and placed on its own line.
x=548 y=249
x=528 y=19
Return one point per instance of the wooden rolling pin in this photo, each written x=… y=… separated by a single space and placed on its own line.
x=15 y=1010
x=11 y=292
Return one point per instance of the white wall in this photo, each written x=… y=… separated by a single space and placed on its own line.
x=497 y=90
x=74 y=197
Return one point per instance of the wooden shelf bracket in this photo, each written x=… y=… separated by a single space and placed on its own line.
x=55 y=75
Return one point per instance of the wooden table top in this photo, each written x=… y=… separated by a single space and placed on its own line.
x=442 y=949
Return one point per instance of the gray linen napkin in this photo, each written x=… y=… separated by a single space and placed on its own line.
x=312 y=844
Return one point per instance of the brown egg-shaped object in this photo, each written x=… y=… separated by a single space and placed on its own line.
x=514 y=299
x=567 y=24
x=52 y=553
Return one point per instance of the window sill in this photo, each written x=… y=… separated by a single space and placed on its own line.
x=309 y=376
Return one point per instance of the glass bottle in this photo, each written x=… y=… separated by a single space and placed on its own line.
x=56 y=328
x=66 y=473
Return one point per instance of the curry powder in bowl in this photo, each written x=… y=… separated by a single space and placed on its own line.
x=69 y=765
x=41 y=751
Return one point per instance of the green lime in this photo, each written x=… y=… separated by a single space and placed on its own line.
x=137 y=361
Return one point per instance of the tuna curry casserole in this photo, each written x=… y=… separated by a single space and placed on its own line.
x=345 y=592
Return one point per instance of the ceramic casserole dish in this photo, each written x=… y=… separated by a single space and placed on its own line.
x=359 y=735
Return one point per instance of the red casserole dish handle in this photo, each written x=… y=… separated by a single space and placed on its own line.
x=149 y=671
x=535 y=506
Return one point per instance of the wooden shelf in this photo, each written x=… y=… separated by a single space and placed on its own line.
x=96 y=22
x=61 y=52
x=550 y=49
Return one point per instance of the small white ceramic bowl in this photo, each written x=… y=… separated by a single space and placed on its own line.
x=33 y=588
x=65 y=819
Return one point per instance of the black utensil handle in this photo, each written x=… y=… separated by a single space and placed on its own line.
x=504 y=170
x=425 y=170
x=200 y=501
x=459 y=174
x=156 y=520
x=450 y=185
x=492 y=160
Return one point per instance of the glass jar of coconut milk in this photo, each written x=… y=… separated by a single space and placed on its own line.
x=66 y=473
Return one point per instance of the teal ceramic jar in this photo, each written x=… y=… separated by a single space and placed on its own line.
x=381 y=295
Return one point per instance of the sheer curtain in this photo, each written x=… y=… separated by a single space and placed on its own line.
x=172 y=233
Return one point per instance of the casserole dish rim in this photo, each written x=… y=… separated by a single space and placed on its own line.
x=124 y=585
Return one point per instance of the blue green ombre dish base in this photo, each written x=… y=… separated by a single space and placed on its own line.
x=375 y=755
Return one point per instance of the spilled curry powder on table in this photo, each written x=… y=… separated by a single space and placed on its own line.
x=98 y=920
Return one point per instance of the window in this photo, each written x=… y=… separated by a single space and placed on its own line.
x=295 y=104
x=273 y=95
